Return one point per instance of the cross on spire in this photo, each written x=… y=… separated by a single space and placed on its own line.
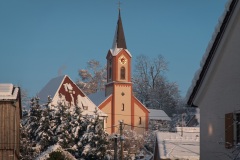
x=119 y=5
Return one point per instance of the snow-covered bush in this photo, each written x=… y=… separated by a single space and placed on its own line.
x=43 y=127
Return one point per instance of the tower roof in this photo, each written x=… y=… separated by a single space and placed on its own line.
x=119 y=38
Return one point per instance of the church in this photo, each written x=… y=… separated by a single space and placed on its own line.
x=118 y=100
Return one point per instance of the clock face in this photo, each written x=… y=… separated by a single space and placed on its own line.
x=122 y=60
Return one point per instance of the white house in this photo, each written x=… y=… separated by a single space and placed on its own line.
x=62 y=90
x=216 y=89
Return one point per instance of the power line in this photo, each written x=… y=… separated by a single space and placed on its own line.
x=44 y=103
x=135 y=115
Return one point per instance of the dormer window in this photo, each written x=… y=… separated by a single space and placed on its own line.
x=85 y=107
x=122 y=72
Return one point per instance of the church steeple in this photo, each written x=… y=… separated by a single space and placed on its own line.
x=119 y=58
x=120 y=102
x=119 y=38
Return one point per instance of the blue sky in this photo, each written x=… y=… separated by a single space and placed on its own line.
x=39 y=38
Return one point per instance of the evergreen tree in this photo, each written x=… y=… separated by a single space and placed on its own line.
x=95 y=140
x=45 y=134
x=44 y=127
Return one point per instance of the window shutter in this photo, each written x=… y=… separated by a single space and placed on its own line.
x=229 y=128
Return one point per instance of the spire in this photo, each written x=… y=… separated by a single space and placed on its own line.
x=119 y=38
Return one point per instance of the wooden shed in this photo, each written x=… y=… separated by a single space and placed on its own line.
x=10 y=115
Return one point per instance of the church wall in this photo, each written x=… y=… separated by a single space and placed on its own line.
x=140 y=119
x=122 y=99
x=108 y=121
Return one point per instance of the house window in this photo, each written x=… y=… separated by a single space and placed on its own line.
x=122 y=106
x=140 y=120
x=232 y=129
x=101 y=122
x=122 y=72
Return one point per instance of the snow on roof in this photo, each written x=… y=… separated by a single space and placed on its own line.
x=156 y=114
x=45 y=155
x=8 y=91
x=50 y=89
x=207 y=52
x=115 y=51
x=171 y=145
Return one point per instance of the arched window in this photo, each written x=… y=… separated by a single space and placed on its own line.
x=122 y=72
x=140 y=120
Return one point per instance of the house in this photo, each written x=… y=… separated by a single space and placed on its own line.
x=158 y=120
x=183 y=144
x=216 y=89
x=118 y=101
x=10 y=115
x=62 y=90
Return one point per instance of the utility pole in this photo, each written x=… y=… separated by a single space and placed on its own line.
x=115 y=147
x=121 y=138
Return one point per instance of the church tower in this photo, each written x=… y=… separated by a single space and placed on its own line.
x=118 y=60
x=120 y=103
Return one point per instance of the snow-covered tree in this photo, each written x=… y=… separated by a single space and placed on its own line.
x=60 y=125
x=132 y=143
x=94 y=141
x=151 y=86
x=55 y=152
x=44 y=134
x=93 y=78
x=26 y=146
x=29 y=126
x=149 y=140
